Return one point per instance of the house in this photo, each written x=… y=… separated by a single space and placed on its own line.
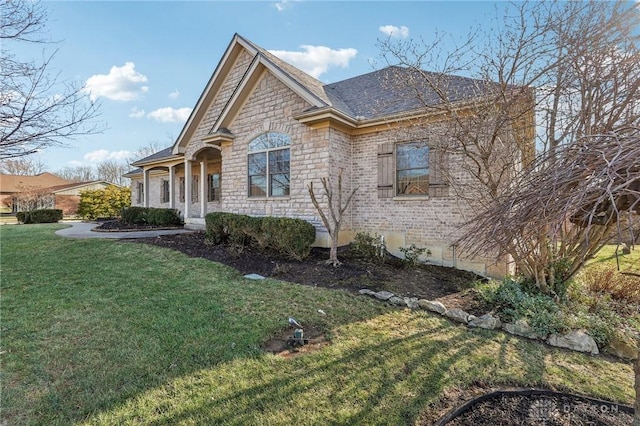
x=262 y=130
x=43 y=191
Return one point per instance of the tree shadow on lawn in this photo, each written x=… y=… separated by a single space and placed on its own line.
x=370 y=380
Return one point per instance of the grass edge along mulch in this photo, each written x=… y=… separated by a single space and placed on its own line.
x=103 y=332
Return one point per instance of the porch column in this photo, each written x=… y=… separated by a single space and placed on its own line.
x=203 y=186
x=172 y=184
x=187 y=189
x=145 y=188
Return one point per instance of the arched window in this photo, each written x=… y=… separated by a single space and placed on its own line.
x=268 y=165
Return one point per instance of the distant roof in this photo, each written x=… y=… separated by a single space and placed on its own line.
x=18 y=183
x=80 y=184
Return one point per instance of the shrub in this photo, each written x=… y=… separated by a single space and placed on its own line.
x=134 y=215
x=103 y=203
x=512 y=303
x=216 y=227
x=605 y=279
x=412 y=254
x=368 y=247
x=150 y=216
x=163 y=217
x=290 y=236
x=42 y=216
x=236 y=229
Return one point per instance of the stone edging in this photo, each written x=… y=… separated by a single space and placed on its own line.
x=577 y=340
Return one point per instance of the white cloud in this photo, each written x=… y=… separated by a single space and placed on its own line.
x=101 y=155
x=136 y=112
x=283 y=5
x=174 y=94
x=395 y=32
x=170 y=115
x=315 y=60
x=121 y=84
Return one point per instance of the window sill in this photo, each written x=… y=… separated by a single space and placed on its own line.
x=411 y=198
x=287 y=197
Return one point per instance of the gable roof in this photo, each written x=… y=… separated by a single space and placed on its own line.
x=386 y=92
x=17 y=183
x=395 y=90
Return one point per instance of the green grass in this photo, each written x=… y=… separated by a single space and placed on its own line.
x=104 y=332
x=628 y=262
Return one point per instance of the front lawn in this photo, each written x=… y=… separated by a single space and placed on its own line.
x=103 y=332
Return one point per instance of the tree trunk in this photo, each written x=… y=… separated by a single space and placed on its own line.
x=636 y=370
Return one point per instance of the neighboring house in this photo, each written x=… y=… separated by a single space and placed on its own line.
x=262 y=130
x=43 y=191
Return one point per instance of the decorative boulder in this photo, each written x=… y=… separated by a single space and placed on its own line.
x=487 y=321
x=457 y=315
x=432 y=306
x=522 y=328
x=577 y=340
x=383 y=295
x=395 y=300
x=623 y=347
x=411 y=302
x=367 y=292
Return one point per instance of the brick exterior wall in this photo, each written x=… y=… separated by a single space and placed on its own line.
x=433 y=222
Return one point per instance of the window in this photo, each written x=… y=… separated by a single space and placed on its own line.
x=268 y=165
x=140 y=193
x=164 y=191
x=412 y=168
x=213 y=185
x=194 y=189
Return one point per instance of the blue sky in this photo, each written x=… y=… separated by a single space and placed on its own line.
x=148 y=62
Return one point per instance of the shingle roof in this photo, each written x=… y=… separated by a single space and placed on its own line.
x=78 y=184
x=17 y=183
x=396 y=89
x=160 y=155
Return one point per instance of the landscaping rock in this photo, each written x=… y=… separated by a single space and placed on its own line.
x=457 y=315
x=411 y=302
x=383 y=295
x=522 y=328
x=395 y=300
x=254 y=277
x=487 y=321
x=432 y=306
x=577 y=340
x=367 y=292
x=623 y=347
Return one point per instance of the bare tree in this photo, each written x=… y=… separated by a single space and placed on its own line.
x=78 y=174
x=112 y=171
x=37 y=110
x=333 y=220
x=146 y=150
x=574 y=66
x=33 y=198
x=24 y=166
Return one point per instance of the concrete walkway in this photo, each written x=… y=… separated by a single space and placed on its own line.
x=84 y=230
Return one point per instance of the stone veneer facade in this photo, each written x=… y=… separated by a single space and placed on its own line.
x=316 y=151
